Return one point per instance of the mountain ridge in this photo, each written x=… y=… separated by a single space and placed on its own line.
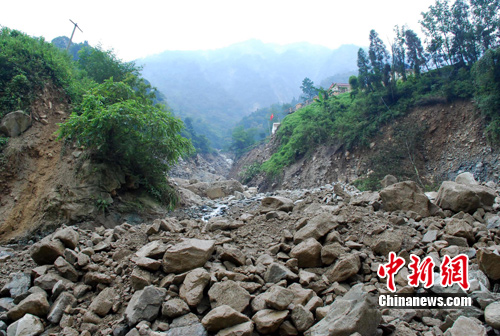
x=229 y=83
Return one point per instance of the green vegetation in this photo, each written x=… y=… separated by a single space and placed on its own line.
x=115 y=116
x=459 y=61
x=26 y=65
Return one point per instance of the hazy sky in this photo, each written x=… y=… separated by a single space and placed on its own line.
x=135 y=29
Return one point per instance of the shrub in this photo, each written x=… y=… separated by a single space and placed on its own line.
x=118 y=124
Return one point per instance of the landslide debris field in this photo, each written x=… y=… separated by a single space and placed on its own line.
x=301 y=262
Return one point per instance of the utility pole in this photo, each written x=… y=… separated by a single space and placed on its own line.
x=73 y=33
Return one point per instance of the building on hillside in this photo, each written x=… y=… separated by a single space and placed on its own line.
x=275 y=127
x=338 y=88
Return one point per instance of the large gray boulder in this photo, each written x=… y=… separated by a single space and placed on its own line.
x=464 y=197
x=405 y=196
x=187 y=255
x=355 y=312
x=145 y=305
x=316 y=227
x=15 y=123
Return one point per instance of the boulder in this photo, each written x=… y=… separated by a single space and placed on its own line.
x=460 y=228
x=268 y=321
x=243 y=329
x=174 y=308
x=345 y=267
x=145 y=305
x=187 y=255
x=59 y=306
x=229 y=293
x=405 y=196
x=278 y=298
x=277 y=272
x=492 y=314
x=18 y=286
x=223 y=317
x=388 y=180
x=103 y=302
x=316 y=228
x=15 y=123
x=302 y=318
x=29 y=325
x=272 y=203
x=193 y=286
x=465 y=326
x=489 y=261
x=466 y=178
x=356 y=311
x=308 y=253
x=46 y=251
x=68 y=236
x=386 y=242
x=464 y=197
x=35 y=304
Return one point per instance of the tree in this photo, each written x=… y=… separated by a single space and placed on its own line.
x=242 y=140
x=415 y=50
x=436 y=24
x=101 y=65
x=378 y=56
x=308 y=89
x=119 y=124
x=363 y=69
x=486 y=21
x=399 y=52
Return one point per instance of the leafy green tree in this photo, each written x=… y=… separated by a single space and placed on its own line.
x=121 y=125
x=486 y=21
x=242 y=140
x=101 y=65
x=399 y=53
x=437 y=24
x=308 y=89
x=199 y=141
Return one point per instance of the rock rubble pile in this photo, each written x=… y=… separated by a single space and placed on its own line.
x=300 y=262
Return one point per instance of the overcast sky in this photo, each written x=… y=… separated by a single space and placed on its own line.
x=135 y=29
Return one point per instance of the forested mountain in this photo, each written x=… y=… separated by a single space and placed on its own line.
x=216 y=88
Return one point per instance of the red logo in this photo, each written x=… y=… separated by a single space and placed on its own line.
x=390 y=269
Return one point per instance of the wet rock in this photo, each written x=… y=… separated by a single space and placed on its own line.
x=187 y=255
x=145 y=305
x=308 y=253
x=344 y=268
x=464 y=197
x=46 y=251
x=223 y=317
x=356 y=311
x=268 y=321
x=193 y=286
x=229 y=293
x=405 y=196
x=35 y=304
